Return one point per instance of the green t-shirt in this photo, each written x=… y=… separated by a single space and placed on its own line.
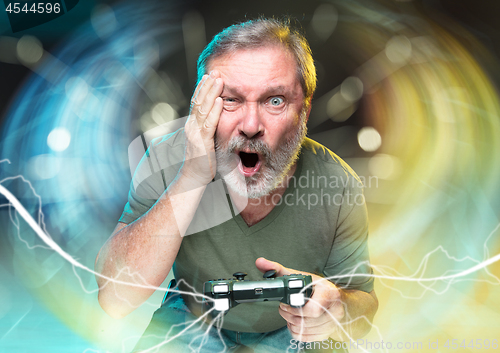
x=319 y=225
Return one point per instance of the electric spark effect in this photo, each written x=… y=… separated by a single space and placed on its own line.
x=54 y=246
x=414 y=104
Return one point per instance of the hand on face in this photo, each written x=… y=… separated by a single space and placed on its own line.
x=320 y=317
x=206 y=108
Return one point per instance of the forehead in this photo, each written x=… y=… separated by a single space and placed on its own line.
x=254 y=70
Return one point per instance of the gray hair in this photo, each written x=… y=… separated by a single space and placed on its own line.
x=259 y=33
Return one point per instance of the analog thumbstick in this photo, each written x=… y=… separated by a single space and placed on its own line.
x=240 y=276
x=270 y=274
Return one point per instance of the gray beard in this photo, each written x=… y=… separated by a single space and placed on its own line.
x=274 y=165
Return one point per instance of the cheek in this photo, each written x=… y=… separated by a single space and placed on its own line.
x=225 y=126
x=284 y=129
x=289 y=121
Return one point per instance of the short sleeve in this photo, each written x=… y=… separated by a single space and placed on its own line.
x=349 y=259
x=156 y=170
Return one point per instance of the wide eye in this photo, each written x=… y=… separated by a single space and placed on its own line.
x=276 y=101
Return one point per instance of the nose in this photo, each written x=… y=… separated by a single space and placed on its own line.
x=251 y=122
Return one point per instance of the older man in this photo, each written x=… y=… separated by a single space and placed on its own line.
x=247 y=125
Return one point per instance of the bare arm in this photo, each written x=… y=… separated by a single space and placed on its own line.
x=360 y=308
x=143 y=252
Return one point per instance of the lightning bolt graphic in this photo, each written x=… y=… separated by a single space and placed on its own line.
x=217 y=322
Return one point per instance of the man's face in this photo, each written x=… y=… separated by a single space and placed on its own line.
x=263 y=123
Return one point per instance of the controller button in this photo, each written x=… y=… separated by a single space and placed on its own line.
x=296 y=283
x=297 y=299
x=221 y=304
x=240 y=276
x=221 y=288
x=270 y=274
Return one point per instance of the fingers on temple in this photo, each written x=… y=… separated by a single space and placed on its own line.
x=195 y=100
x=210 y=97
x=209 y=112
x=213 y=117
x=207 y=90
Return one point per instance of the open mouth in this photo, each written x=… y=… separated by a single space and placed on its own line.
x=249 y=163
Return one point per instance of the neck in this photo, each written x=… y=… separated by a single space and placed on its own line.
x=254 y=210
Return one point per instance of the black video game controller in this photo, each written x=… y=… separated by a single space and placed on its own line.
x=227 y=293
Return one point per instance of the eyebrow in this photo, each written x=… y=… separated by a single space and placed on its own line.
x=269 y=91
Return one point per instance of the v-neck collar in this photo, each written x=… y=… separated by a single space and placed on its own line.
x=248 y=230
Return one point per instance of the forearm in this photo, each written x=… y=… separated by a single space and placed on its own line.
x=143 y=252
x=360 y=308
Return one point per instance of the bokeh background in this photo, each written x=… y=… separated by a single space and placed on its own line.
x=407 y=95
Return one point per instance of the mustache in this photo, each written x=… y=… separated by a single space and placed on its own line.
x=240 y=143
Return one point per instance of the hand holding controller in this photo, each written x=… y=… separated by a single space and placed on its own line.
x=227 y=293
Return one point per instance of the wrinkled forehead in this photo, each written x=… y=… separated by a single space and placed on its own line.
x=264 y=62
x=258 y=73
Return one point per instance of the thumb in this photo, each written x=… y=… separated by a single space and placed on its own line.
x=265 y=265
